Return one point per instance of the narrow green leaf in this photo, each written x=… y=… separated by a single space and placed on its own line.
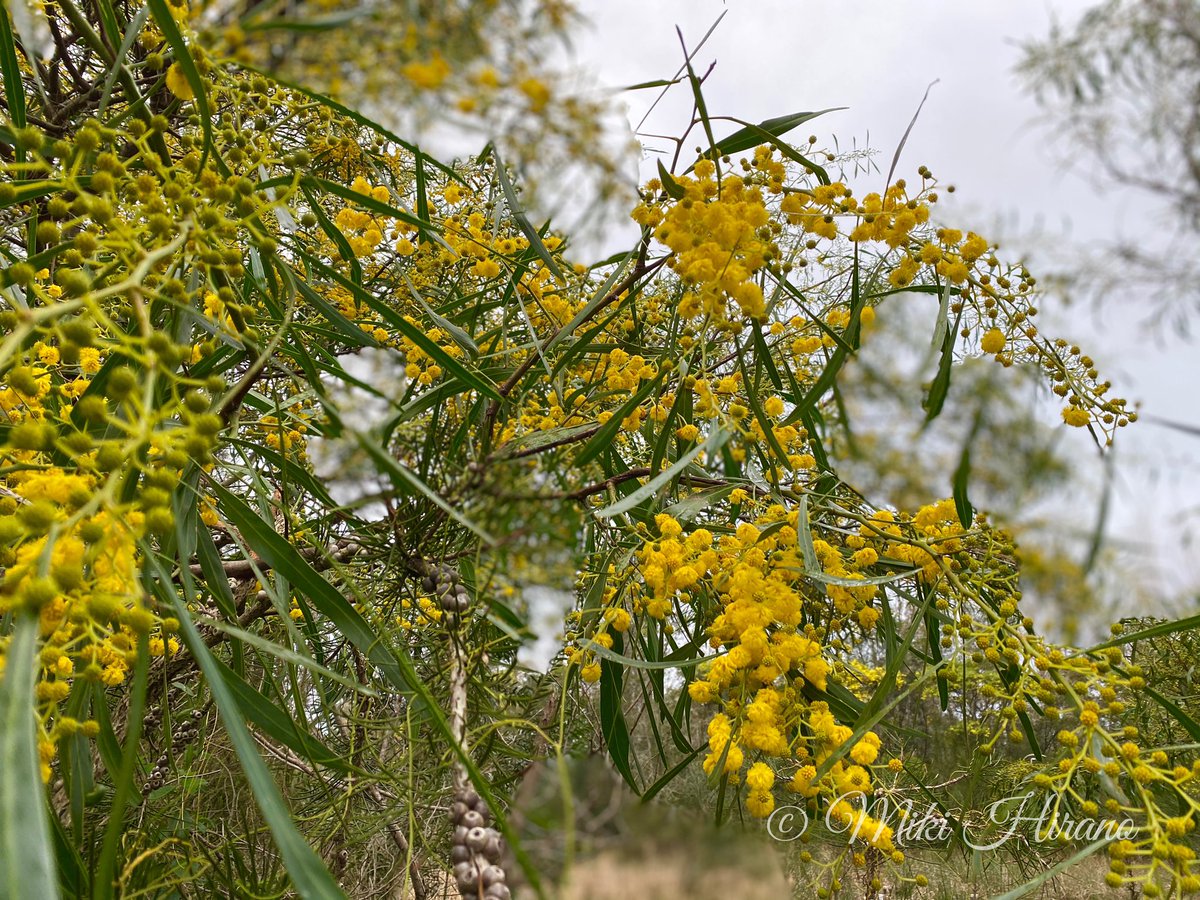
x=376 y=206
x=131 y=34
x=825 y=578
x=470 y=378
x=688 y=508
x=698 y=96
x=612 y=720
x=751 y=136
x=106 y=742
x=867 y=718
x=1167 y=627
x=1176 y=712
x=460 y=337
x=677 y=660
x=962 y=474
x=527 y=443
x=940 y=387
x=670 y=775
x=288 y=655
x=280 y=555
x=518 y=213
x=1030 y=734
x=308 y=25
x=600 y=297
x=404 y=478
x=808 y=550
x=183 y=56
x=715 y=441
x=347 y=329
x=345 y=251
x=276 y=723
x=1053 y=872
x=673 y=188
x=643 y=85
x=604 y=438
x=908 y=131
x=26 y=866
x=10 y=68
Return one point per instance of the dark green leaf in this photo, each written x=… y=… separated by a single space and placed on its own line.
x=673 y=188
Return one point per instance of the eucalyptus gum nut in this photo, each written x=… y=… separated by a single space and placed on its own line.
x=472 y=819
x=465 y=873
x=492 y=875
x=460 y=834
x=457 y=810
x=460 y=854
x=498 y=892
x=477 y=839
x=472 y=800
x=493 y=850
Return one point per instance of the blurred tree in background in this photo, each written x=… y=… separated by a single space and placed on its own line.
x=1121 y=92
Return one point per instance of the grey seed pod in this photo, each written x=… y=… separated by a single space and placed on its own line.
x=477 y=839
x=460 y=834
x=498 y=892
x=457 y=809
x=428 y=584
x=472 y=800
x=461 y=590
x=493 y=849
x=492 y=875
x=466 y=873
x=450 y=603
x=472 y=819
x=460 y=854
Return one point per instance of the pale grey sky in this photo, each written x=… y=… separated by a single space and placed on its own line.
x=977 y=131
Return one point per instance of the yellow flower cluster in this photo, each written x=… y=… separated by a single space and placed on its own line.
x=714 y=232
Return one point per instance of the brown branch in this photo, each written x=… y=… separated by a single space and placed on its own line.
x=601 y=486
x=239 y=569
x=561 y=442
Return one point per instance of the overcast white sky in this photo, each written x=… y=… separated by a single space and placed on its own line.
x=977 y=131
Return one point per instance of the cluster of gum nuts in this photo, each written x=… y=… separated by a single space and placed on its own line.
x=477 y=850
x=451 y=593
x=183 y=735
